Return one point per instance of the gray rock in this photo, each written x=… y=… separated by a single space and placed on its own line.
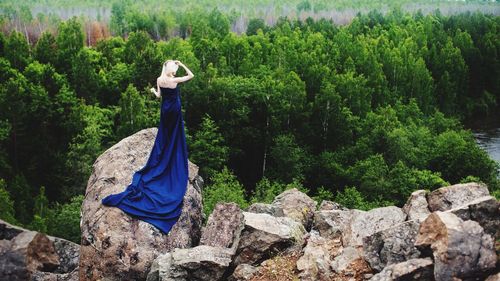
x=114 y=244
x=353 y=225
x=392 y=245
x=25 y=254
x=296 y=205
x=416 y=206
x=327 y=205
x=454 y=196
x=314 y=264
x=69 y=255
x=350 y=265
x=264 y=234
x=244 y=272
x=333 y=223
x=192 y=264
x=261 y=208
x=49 y=276
x=364 y=224
x=460 y=248
x=30 y=255
x=484 y=210
x=414 y=269
x=224 y=226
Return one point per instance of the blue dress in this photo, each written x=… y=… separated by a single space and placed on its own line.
x=157 y=190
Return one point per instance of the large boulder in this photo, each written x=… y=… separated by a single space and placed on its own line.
x=263 y=235
x=460 y=248
x=414 y=269
x=454 y=196
x=392 y=245
x=31 y=255
x=116 y=246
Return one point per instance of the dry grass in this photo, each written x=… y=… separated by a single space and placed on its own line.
x=281 y=267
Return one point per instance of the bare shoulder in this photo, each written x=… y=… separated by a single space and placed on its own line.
x=166 y=83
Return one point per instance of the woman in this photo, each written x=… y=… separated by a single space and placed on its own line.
x=157 y=190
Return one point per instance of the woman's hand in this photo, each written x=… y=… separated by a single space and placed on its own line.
x=154 y=92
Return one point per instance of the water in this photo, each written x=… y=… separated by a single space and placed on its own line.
x=489 y=140
x=486 y=131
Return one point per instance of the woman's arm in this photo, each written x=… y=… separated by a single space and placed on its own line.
x=156 y=92
x=189 y=75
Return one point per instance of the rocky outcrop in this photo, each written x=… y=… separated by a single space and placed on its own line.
x=447 y=234
x=31 y=255
x=115 y=245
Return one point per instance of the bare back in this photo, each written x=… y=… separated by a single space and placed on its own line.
x=167 y=82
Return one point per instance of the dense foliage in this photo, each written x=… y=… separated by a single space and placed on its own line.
x=364 y=113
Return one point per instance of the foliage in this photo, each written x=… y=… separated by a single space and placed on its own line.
x=362 y=113
x=225 y=187
x=207 y=149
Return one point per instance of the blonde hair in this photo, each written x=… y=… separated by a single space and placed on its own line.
x=168 y=67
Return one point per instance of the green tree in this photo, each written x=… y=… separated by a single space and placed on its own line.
x=208 y=149
x=66 y=221
x=254 y=24
x=266 y=190
x=87 y=145
x=70 y=40
x=289 y=160
x=6 y=204
x=132 y=112
x=85 y=78
x=225 y=187
x=17 y=50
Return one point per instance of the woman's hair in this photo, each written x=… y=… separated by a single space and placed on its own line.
x=169 y=66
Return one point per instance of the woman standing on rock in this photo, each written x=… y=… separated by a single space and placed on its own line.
x=157 y=190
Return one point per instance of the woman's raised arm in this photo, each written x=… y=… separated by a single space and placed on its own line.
x=189 y=75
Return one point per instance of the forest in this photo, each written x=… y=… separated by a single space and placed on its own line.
x=362 y=113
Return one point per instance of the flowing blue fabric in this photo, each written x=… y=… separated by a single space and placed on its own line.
x=157 y=190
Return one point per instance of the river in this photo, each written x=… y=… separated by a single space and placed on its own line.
x=487 y=135
x=489 y=140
